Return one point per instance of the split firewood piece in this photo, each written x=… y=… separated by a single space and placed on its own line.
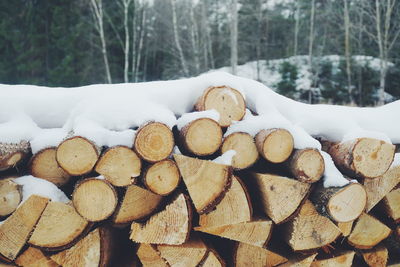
x=379 y=187
x=256 y=233
x=34 y=257
x=10 y=197
x=93 y=250
x=154 y=142
x=391 y=202
x=245 y=147
x=279 y=196
x=201 y=137
x=275 y=145
x=234 y=208
x=227 y=101
x=341 y=204
x=189 y=254
x=309 y=230
x=137 y=203
x=11 y=154
x=77 y=155
x=306 y=165
x=300 y=261
x=363 y=157
x=150 y=257
x=15 y=230
x=94 y=199
x=213 y=260
x=162 y=177
x=376 y=257
x=119 y=165
x=44 y=165
x=170 y=226
x=345 y=227
x=59 y=227
x=205 y=180
x=343 y=260
x=368 y=232
x=252 y=256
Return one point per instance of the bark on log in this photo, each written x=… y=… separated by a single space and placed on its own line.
x=278 y=196
x=59 y=227
x=77 y=155
x=391 y=203
x=245 y=147
x=206 y=181
x=363 y=157
x=150 y=257
x=11 y=154
x=343 y=260
x=306 y=165
x=154 y=142
x=275 y=145
x=94 y=199
x=252 y=256
x=15 y=230
x=376 y=257
x=34 y=257
x=170 y=226
x=120 y=165
x=137 y=203
x=10 y=197
x=227 y=101
x=162 y=178
x=341 y=204
x=201 y=137
x=44 y=165
x=368 y=232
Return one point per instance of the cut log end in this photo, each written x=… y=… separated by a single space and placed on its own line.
x=44 y=165
x=154 y=142
x=251 y=256
x=213 y=260
x=275 y=145
x=391 y=203
x=94 y=199
x=149 y=256
x=10 y=197
x=227 y=101
x=77 y=155
x=13 y=153
x=33 y=257
x=376 y=257
x=119 y=165
x=162 y=177
x=202 y=137
x=345 y=259
x=307 y=165
x=246 y=150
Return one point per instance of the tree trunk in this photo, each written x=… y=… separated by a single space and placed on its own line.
x=177 y=39
x=194 y=38
x=347 y=50
x=139 y=50
x=296 y=28
x=234 y=36
x=310 y=52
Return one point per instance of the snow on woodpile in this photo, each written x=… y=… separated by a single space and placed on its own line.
x=109 y=115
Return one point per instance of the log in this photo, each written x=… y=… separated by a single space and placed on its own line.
x=300 y=261
x=345 y=227
x=94 y=199
x=306 y=165
x=275 y=145
x=245 y=147
x=252 y=256
x=154 y=142
x=343 y=260
x=363 y=157
x=10 y=197
x=11 y=154
x=391 y=203
x=256 y=233
x=206 y=181
x=162 y=178
x=95 y=249
x=150 y=257
x=341 y=204
x=309 y=230
x=227 y=101
x=15 y=230
x=59 y=227
x=170 y=226
x=137 y=203
x=376 y=257
x=213 y=260
x=278 y=196
x=368 y=232
x=234 y=208
x=201 y=137
x=119 y=165
x=77 y=155
x=44 y=165
x=379 y=187
x=34 y=257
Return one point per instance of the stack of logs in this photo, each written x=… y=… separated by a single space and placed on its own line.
x=144 y=205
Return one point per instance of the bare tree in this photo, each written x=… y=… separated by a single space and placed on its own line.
x=310 y=50
x=140 y=45
x=194 y=38
x=125 y=5
x=177 y=40
x=347 y=49
x=296 y=28
x=98 y=15
x=259 y=16
x=234 y=36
